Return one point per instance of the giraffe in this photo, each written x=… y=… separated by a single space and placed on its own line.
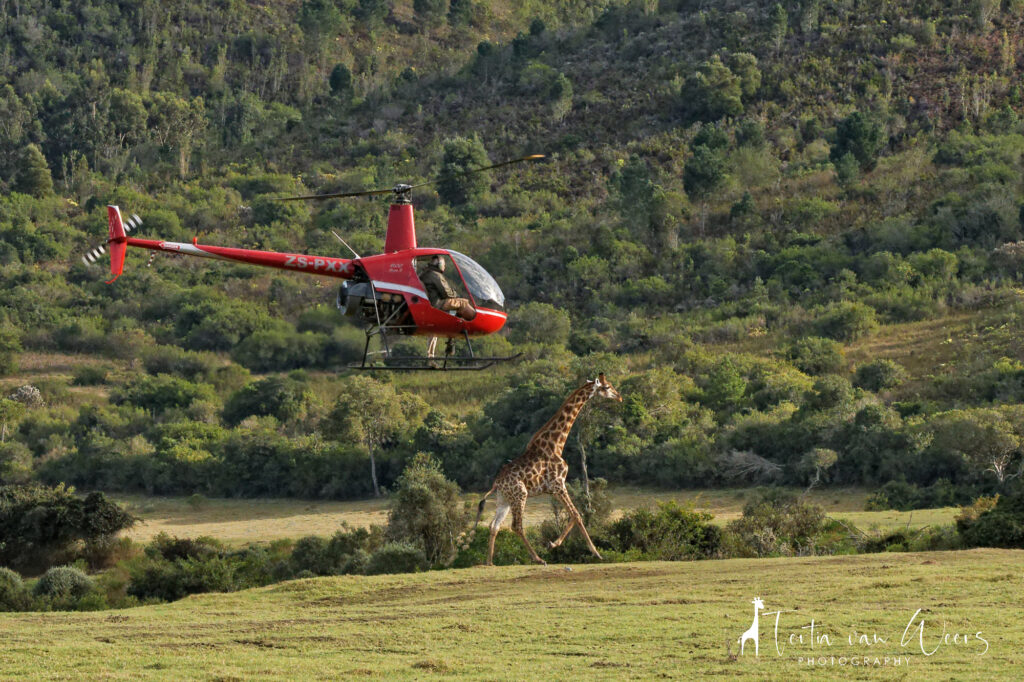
x=541 y=469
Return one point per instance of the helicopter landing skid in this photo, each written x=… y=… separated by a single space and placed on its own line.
x=449 y=362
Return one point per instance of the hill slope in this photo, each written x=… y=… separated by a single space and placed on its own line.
x=602 y=622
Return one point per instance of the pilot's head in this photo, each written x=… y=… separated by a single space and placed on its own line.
x=437 y=262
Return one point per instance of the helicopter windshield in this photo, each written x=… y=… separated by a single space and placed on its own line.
x=483 y=287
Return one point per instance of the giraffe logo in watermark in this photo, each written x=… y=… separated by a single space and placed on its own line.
x=752 y=632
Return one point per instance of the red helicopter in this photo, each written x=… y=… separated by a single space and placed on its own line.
x=383 y=291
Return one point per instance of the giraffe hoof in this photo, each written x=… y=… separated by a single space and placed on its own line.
x=541 y=561
x=552 y=545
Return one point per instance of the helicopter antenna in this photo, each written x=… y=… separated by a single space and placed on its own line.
x=338 y=236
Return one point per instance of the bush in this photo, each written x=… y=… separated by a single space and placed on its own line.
x=39 y=525
x=89 y=376
x=880 y=374
x=509 y=550
x=815 y=355
x=426 y=510
x=63 y=582
x=669 y=533
x=280 y=397
x=311 y=554
x=1000 y=526
x=846 y=321
x=169 y=548
x=13 y=595
x=397 y=557
x=776 y=523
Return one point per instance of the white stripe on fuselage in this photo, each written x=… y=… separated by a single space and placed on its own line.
x=190 y=249
x=388 y=286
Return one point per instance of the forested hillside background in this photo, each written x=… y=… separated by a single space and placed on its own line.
x=791 y=235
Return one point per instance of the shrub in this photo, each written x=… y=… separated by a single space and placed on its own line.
x=63 y=582
x=283 y=398
x=777 y=522
x=39 y=524
x=169 y=548
x=880 y=374
x=846 y=321
x=13 y=595
x=397 y=557
x=815 y=355
x=310 y=554
x=669 y=533
x=508 y=549
x=426 y=509
x=89 y=376
x=1000 y=526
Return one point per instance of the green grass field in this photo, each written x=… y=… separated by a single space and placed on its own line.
x=240 y=521
x=624 y=621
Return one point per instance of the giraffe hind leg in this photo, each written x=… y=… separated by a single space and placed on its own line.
x=499 y=517
x=577 y=520
x=518 y=507
x=565 y=533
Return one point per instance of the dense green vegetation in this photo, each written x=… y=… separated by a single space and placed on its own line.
x=715 y=228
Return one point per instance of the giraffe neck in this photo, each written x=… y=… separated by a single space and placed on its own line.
x=556 y=431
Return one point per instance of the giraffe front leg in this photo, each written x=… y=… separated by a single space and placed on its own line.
x=577 y=520
x=518 y=507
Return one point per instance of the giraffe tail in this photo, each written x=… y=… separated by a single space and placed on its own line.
x=480 y=507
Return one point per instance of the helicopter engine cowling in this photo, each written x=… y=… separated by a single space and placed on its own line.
x=351 y=296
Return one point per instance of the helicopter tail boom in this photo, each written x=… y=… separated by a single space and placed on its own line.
x=342 y=268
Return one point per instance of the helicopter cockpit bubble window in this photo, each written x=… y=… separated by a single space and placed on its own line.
x=479 y=282
x=450 y=275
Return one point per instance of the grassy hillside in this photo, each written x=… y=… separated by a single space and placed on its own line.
x=790 y=233
x=601 y=622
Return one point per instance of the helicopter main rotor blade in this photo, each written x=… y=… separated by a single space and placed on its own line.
x=472 y=171
x=337 y=195
x=401 y=189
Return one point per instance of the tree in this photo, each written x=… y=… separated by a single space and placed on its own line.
x=778 y=26
x=280 y=397
x=33 y=174
x=431 y=13
x=847 y=170
x=368 y=412
x=10 y=346
x=37 y=523
x=880 y=374
x=744 y=65
x=859 y=135
x=426 y=509
x=177 y=123
x=726 y=386
x=340 y=80
x=984 y=437
x=713 y=91
x=638 y=201
x=128 y=117
x=460 y=13
x=536 y=322
x=372 y=13
x=460 y=155
x=703 y=174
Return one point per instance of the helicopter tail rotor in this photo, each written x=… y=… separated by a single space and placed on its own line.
x=117 y=241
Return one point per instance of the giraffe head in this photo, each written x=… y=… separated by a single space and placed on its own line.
x=602 y=388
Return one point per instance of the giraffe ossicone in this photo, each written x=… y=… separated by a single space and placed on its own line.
x=541 y=470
